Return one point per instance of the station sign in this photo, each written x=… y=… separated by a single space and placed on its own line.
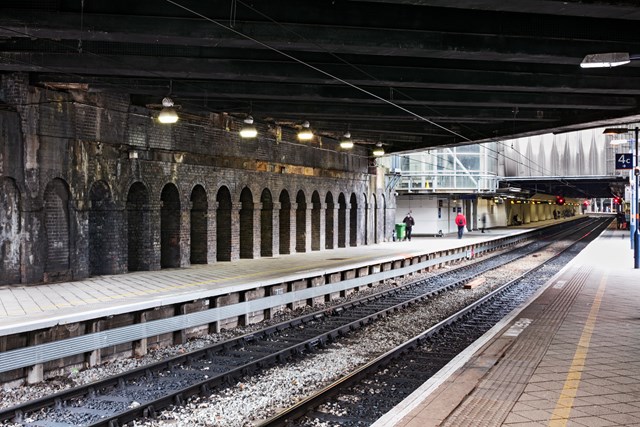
x=624 y=161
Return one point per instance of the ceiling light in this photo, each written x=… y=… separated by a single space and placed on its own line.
x=621 y=141
x=378 y=151
x=248 y=130
x=346 y=142
x=305 y=134
x=605 y=60
x=168 y=113
x=614 y=131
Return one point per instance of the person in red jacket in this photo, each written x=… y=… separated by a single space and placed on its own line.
x=461 y=222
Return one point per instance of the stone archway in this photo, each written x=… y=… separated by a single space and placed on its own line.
x=246 y=224
x=266 y=224
x=56 y=223
x=170 y=227
x=138 y=229
x=199 y=225
x=223 y=225
x=285 y=222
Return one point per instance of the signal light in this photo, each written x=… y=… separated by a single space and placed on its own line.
x=617 y=200
x=585 y=203
x=559 y=200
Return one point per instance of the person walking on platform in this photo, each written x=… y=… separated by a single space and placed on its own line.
x=409 y=222
x=483 y=222
x=461 y=222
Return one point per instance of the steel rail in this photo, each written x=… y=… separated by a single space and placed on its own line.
x=149 y=408
x=303 y=407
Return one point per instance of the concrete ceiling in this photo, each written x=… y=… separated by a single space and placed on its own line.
x=412 y=74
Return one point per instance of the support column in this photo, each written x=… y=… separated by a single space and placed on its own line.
x=185 y=234
x=235 y=230
x=153 y=231
x=293 y=236
x=336 y=222
x=180 y=336
x=347 y=227
x=212 y=235
x=94 y=357
x=35 y=373
x=307 y=226
x=323 y=220
x=257 y=229
x=140 y=346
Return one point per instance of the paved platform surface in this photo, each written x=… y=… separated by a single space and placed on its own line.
x=569 y=358
x=29 y=307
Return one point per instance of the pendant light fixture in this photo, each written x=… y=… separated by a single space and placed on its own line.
x=168 y=114
x=346 y=143
x=248 y=129
x=305 y=134
x=378 y=151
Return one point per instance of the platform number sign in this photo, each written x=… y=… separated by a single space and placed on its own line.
x=624 y=161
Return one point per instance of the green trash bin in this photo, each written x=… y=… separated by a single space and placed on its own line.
x=400 y=231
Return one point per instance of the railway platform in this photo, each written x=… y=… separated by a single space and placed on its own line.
x=29 y=307
x=570 y=357
x=49 y=329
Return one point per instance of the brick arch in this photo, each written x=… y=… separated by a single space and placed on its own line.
x=353 y=220
x=57 y=230
x=10 y=229
x=285 y=222
x=301 y=222
x=199 y=220
x=138 y=228
x=223 y=224
x=104 y=257
x=266 y=223
x=246 y=223
x=316 y=211
x=170 y=227
x=366 y=218
x=328 y=221
x=384 y=217
x=342 y=221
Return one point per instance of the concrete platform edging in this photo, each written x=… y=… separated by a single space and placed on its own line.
x=42 y=353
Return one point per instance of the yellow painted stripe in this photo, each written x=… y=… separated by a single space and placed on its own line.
x=560 y=415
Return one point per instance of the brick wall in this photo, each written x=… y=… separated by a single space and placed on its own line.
x=101 y=188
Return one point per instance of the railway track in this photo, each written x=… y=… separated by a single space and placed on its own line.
x=145 y=391
x=363 y=396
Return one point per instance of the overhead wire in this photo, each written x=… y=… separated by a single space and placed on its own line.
x=293 y=58
x=392 y=89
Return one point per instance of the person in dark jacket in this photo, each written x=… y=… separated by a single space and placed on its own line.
x=409 y=222
x=461 y=222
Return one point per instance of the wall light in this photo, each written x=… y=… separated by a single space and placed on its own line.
x=378 y=151
x=305 y=134
x=248 y=130
x=346 y=142
x=168 y=114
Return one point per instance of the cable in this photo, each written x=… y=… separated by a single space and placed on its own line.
x=313 y=67
x=391 y=88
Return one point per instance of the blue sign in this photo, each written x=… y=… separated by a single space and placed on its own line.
x=624 y=161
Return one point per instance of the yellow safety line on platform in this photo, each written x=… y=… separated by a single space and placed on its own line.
x=560 y=415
